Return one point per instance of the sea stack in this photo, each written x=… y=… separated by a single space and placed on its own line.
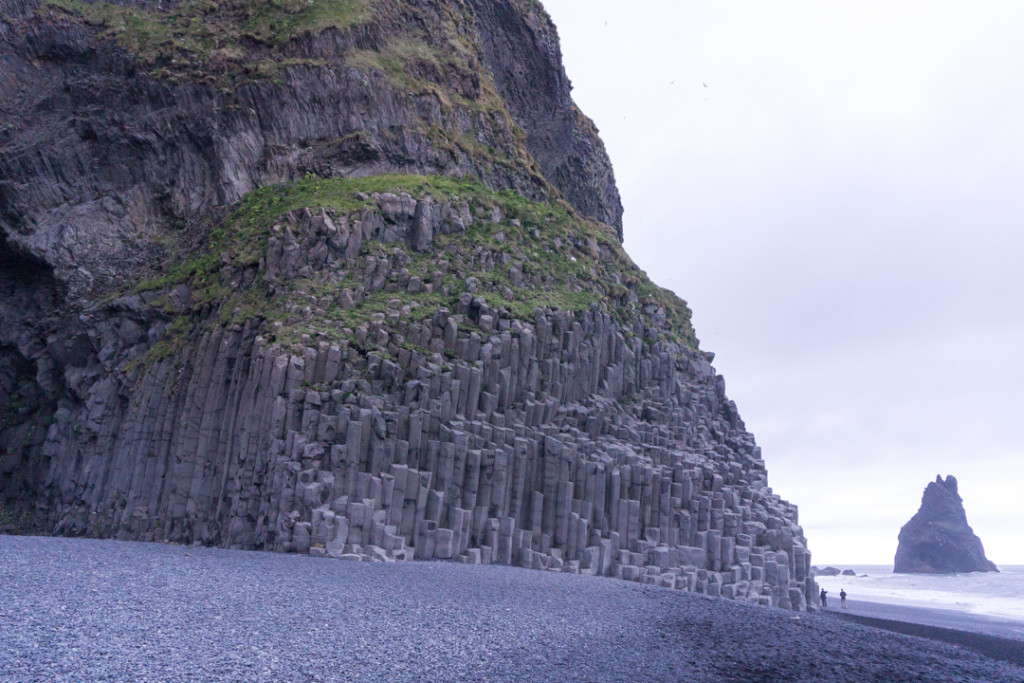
x=938 y=539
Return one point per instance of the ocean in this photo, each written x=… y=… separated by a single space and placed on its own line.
x=999 y=595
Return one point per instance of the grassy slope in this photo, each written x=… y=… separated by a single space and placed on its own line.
x=568 y=262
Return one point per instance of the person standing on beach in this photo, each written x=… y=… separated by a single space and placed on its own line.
x=823 y=592
x=842 y=598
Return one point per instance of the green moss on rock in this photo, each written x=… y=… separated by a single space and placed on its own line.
x=559 y=260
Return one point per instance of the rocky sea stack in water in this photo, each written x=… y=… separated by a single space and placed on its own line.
x=345 y=277
x=938 y=540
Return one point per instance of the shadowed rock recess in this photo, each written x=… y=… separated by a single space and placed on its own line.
x=345 y=278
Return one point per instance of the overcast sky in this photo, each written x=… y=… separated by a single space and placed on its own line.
x=837 y=189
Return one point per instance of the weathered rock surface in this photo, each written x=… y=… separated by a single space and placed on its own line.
x=526 y=61
x=102 y=150
x=410 y=367
x=938 y=540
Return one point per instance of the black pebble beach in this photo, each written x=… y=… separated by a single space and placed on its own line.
x=92 y=610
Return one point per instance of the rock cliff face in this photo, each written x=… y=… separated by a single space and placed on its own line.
x=345 y=278
x=938 y=540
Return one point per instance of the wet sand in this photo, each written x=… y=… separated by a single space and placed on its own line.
x=993 y=637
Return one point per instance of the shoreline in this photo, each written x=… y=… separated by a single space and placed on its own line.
x=939 y=617
x=990 y=636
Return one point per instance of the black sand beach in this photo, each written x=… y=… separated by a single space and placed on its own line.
x=940 y=618
x=997 y=638
x=86 y=610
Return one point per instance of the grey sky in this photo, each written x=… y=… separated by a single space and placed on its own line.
x=837 y=189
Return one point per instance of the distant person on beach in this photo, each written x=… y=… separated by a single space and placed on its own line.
x=842 y=598
x=823 y=593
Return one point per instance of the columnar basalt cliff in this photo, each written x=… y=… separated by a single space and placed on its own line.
x=345 y=278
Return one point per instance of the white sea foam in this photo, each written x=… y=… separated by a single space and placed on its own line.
x=992 y=594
